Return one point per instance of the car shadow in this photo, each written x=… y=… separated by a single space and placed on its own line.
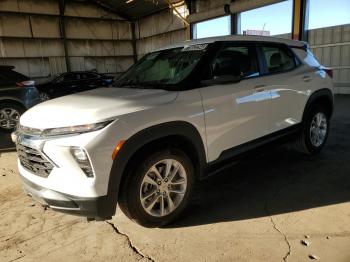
x=276 y=180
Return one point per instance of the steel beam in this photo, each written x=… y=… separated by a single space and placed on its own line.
x=191 y=5
x=300 y=19
x=234 y=19
x=235 y=7
x=134 y=39
x=68 y=16
x=62 y=23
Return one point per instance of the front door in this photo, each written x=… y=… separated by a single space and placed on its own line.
x=236 y=112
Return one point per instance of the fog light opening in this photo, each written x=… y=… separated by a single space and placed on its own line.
x=82 y=159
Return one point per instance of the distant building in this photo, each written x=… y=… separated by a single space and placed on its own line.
x=256 y=32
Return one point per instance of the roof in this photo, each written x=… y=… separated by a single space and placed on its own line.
x=250 y=38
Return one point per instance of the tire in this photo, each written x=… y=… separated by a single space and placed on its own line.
x=136 y=187
x=9 y=116
x=307 y=142
x=44 y=96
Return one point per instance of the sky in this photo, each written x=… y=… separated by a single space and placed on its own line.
x=277 y=18
x=215 y=27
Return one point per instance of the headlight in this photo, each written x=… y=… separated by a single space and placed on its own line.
x=64 y=130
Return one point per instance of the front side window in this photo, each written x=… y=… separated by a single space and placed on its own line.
x=163 y=68
x=233 y=61
x=278 y=59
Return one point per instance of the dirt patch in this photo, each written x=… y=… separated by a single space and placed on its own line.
x=29 y=233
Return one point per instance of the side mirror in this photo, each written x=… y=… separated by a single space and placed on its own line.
x=222 y=80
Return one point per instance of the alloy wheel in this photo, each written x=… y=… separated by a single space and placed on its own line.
x=9 y=118
x=163 y=187
x=318 y=129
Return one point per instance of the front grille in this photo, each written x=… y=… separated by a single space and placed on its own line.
x=32 y=160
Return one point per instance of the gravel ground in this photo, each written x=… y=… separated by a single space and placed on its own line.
x=260 y=210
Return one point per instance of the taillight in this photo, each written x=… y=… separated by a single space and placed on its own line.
x=329 y=72
x=25 y=83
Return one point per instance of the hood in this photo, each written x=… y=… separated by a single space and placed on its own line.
x=93 y=106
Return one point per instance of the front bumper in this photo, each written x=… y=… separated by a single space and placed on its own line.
x=99 y=208
x=65 y=187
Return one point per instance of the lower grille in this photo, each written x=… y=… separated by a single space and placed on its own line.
x=33 y=161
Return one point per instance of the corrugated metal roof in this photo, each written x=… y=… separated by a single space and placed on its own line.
x=134 y=9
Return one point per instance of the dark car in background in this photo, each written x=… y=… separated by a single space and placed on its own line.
x=72 y=82
x=17 y=94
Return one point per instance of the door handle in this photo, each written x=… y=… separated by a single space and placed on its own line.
x=306 y=78
x=259 y=88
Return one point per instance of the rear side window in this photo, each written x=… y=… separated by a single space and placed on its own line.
x=278 y=58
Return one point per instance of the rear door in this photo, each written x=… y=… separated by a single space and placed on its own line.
x=285 y=80
x=235 y=112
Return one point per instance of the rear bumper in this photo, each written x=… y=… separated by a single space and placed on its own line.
x=99 y=208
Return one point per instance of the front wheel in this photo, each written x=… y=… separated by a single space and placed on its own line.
x=157 y=192
x=315 y=131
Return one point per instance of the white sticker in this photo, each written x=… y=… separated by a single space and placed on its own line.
x=194 y=47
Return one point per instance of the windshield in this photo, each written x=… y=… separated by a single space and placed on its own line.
x=163 y=68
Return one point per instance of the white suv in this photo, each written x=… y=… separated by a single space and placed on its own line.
x=176 y=116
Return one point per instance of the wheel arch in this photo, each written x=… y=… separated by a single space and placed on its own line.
x=321 y=97
x=13 y=101
x=180 y=134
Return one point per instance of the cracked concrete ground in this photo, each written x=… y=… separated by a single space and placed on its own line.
x=259 y=210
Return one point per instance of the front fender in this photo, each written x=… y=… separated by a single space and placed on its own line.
x=146 y=136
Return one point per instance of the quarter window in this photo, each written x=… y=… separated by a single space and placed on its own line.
x=278 y=59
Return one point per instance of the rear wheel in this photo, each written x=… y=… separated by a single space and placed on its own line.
x=157 y=192
x=9 y=116
x=315 y=130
